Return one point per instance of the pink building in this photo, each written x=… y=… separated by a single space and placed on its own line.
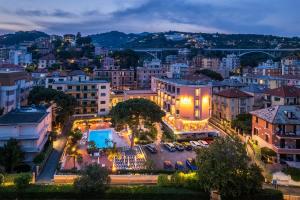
x=187 y=103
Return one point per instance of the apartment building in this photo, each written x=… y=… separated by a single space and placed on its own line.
x=120 y=79
x=20 y=57
x=211 y=63
x=153 y=68
x=30 y=126
x=14 y=89
x=46 y=61
x=284 y=95
x=92 y=95
x=187 y=103
x=227 y=104
x=278 y=128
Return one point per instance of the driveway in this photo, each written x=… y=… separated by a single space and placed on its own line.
x=163 y=154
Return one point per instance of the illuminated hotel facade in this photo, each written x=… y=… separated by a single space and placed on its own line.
x=187 y=103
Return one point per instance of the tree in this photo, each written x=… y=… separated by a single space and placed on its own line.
x=22 y=181
x=224 y=167
x=93 y=179
x=243 y=122
x=126 y=58
x=65 y=103
x=38 y=159
x=134 y=113
x=11 y=155
x=211 y=74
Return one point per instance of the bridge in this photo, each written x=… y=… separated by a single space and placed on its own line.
x=241 y=52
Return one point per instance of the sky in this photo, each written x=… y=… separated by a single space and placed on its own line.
x=276 y=17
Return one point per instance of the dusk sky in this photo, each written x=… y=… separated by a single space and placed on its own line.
x=277 y=17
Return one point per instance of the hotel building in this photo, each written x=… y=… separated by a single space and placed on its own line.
x=186 y=103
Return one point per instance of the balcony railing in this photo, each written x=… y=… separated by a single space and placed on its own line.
x=288 y=134
x=288 y=149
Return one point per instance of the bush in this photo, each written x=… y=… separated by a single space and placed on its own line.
x=265 y=151
x=163 y=180
x=22 y=168
x=93 y=179
x=22 y=181
x=294 y=172
x=1 y=179
x=39 y=158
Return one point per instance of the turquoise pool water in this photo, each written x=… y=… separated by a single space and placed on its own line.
x=100 y=137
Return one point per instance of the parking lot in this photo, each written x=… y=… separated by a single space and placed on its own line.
x=163 y=154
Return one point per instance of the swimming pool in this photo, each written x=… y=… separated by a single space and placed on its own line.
x=100 y=137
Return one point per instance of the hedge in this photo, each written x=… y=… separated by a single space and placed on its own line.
x=121 y=192
x=294 y=172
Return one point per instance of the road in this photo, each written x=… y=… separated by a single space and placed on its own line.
x=49 y=169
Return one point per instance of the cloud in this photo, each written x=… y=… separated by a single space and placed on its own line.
x=92 y=16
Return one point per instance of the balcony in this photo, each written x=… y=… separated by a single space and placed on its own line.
x=282 y=134
x=290 y=149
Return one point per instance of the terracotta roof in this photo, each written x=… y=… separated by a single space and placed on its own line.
x=284 y=91
x=233 y=93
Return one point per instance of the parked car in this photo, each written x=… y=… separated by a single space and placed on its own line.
x=191 y=164
x=195 y=144
x=179 y=166
x=168 y=165
x=187 y=146
x=151 y=148
x=178 y=146
x=170 y=147
x=203 y=143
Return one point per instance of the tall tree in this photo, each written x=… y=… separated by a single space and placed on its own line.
x=11 y=155
x=134 y=113
x=224 y=167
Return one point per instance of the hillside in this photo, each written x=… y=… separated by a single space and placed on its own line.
x=21 y=36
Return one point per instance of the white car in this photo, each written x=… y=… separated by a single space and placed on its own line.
x=195 y=144
x=203 y=143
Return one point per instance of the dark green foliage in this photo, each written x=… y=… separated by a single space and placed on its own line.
x=22 y=181
x=93 y=179
x=211 y=74
x=21 y=36
x=126 y=59
x=65 y=103
x=1 y=179
x=11 y=155
x=224 y=167
x=134 y=112
x=265 y=151
x=294 y=172
x=38 y=159
x=243 y=122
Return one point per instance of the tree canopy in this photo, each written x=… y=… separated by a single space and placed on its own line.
x=224 y=167
x=243 y=122
x=11 y=155
x=65 y=103
x=126 y=59
x=134 y=113
x=211 y=74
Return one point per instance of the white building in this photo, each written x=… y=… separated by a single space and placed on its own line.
x=47 y=61
x=30 y=126
x=92 y=95
x=14 y=89
x=230 y=63
x=20 y=57
x=177 y=70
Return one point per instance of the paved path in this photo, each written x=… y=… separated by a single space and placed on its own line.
x=49 y=169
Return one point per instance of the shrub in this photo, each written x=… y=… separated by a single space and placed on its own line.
x=22 y=181
x=1 y=179
x=93 y=179
x=39 y=158
x=294 y=172
x=163 y=180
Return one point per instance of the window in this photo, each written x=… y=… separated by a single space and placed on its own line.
x=69 y=87
x=77 y=96
x=266 y=137
x=92 y=109
x=102 y=110
x=103 y=94
x=177 y=112
x=256 y=120
x=93 y=102
x=85 y=95
x=92 y=94
x=267 y=124
x=276 y=98
x=93 y=87
x=59 y=88
x=255 y=131
x=197 y=92
x=178 y=90
x=85 y=87
x=102 y=102
x=103 y=86
x=78 y=88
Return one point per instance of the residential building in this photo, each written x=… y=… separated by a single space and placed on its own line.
x=30 y=126
x=227 y=104
x=270 y=81
x=278 y=128
x=120 y=79
x=20 y=57
x=69 y=38
x=101 y=51
x=218 y=86
x=197 y=61
x=108 y=62
x=211 y=63
x=92 y=95
x=186 y=103
x=170 y=59
x=46 y=61
x=150 y=69
x=177 y=70
x=258 y=93
x=266 y=70
x=4 y=54
x=14 y=89
x=284 y=95
x=228 y=64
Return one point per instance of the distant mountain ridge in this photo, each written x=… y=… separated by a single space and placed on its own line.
x=116 y=39
x=20 y=36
